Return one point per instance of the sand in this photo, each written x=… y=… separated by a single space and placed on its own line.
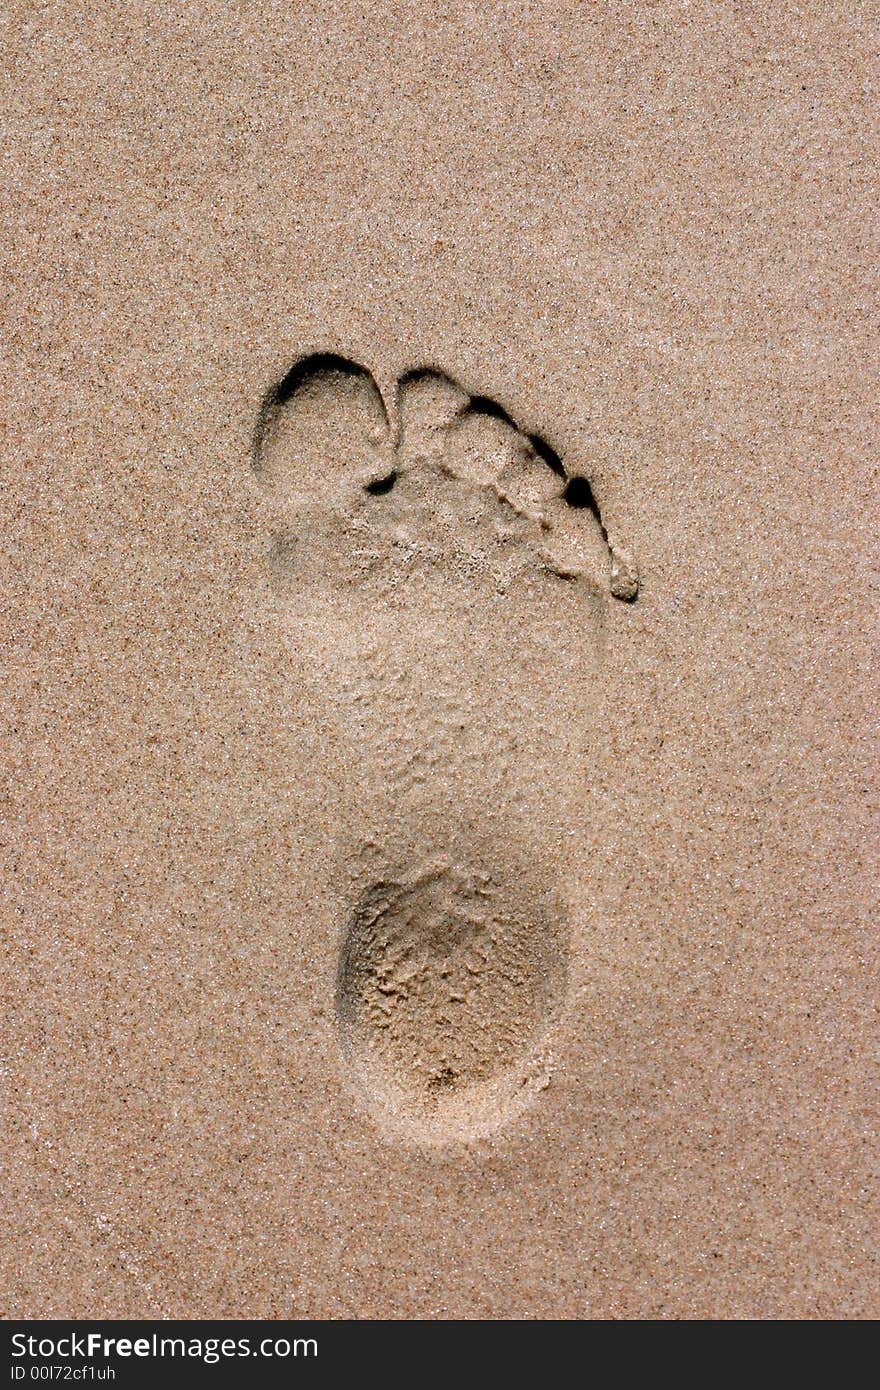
x=396 y=923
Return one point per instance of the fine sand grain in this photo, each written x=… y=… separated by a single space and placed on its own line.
x=438 y=635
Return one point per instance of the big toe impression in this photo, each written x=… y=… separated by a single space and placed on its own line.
x=324 y=424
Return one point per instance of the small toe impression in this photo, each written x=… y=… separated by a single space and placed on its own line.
x=485 y=446
x=324 y=423
x=428 y=404
x=475 y=441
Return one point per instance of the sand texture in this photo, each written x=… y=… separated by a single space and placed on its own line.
x=439 y=595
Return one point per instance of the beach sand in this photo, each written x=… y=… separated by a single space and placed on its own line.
x=403 y=917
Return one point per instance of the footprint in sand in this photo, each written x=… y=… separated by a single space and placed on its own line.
x=450 y=582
